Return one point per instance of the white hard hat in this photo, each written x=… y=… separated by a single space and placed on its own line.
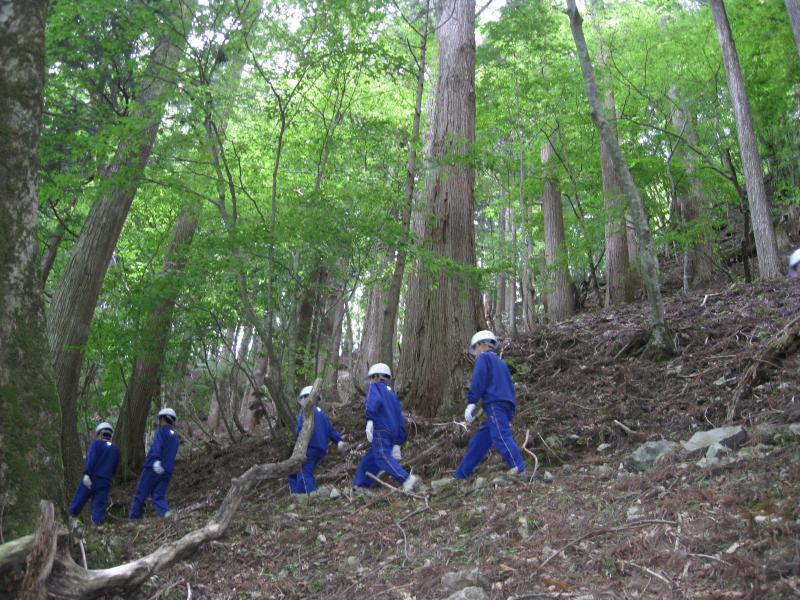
x=168 y=413
x=794 y=259
x=306 y=391
x=104 y=427
x=380 y=369
x=482 y=336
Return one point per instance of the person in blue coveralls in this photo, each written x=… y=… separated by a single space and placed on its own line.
x=491 y=383
x=386 y=432
x=303 y=482
x=101 y=464
x=158 y=465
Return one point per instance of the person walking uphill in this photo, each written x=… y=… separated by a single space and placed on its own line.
x=303 y=482
x=386 y=432
x=491 y=383
x=101 y=464
x=158 y=467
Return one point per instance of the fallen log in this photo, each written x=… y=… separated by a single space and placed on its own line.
x=66 y=579
x=781 y=345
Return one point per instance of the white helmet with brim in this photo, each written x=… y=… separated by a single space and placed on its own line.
x=168 y=414
x=305 y=392
x=483 y=336
x=104 y=428
x=794 y=263
x=380 y=369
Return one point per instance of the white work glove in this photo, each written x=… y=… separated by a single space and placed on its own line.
x=341 y=446
x=158 y=468
x=396 y=452
x=468 y=417
x=87 y=481
x=369 y=431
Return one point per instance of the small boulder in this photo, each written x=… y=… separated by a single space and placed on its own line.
x=731 y=437
x=646 y=456
x=469 y=593
x=467 y=578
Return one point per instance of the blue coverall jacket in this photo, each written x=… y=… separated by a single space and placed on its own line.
x=164 y=449
x=101 y=464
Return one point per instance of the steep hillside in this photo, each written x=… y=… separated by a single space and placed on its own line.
x=580 y=525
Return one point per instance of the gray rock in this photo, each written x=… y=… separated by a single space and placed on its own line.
x=352 y=561
x=604 y=447
x=646 y=456
x=731 y=437
x=469 y=593
x=467 y=578
x=335 y=493
x=635 y=512
x=716 y=450
x=547 y=477
x=439 y=485
x=480 y=483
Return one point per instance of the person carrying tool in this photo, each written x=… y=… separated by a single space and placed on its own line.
x=491 y=383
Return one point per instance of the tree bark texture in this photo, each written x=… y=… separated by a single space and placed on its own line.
x=76 y=296
x=30 y=454
x=369 y=350
x=793 y=8
x=391 y=306
x=659 y=340
x=699 y=269
x=763 y=231
x=560 y=299
x=449 y=299
x=143 y=385
x=619 y=284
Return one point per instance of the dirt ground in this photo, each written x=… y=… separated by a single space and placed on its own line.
x=567 y=530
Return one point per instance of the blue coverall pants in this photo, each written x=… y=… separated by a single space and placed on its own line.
x=379 y=458
x=303 y=482
x=494 y=432
x=98 y=493
x=151 y=484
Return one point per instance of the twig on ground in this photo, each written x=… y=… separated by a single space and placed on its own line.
x=397 y=489
x=629 y=431
x=535 y=458
x=602 y=531
x=655 y=574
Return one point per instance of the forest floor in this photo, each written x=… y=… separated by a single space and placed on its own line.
x=577 y=529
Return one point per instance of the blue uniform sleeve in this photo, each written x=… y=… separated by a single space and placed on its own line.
x=480 y=379
x=91 y=458
x=373 y=403
x=169 y=448
x=330 y=433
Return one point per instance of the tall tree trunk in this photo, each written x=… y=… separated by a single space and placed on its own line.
x=30 y=454
x=391 y=306
x=499 y=313
x=369 y=350
x=699 y=269
x=528 y=292
x=76 y=296
x=511 y=281
x=793 y=8
x=560 y=299
x=766 y=248
x=619 y=284
x=143 y=385
x=660 y=341
x=449 y=303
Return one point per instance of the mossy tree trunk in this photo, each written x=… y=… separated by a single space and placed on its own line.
x=30 y=455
